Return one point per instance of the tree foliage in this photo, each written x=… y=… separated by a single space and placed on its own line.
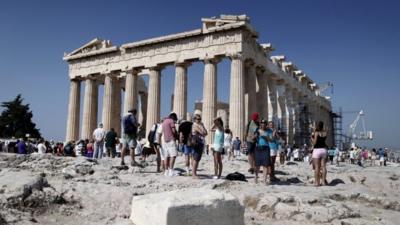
x=16 y=120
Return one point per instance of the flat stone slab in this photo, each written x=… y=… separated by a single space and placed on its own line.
x=198 y=206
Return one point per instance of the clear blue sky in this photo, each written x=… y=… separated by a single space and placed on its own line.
x=354 y=44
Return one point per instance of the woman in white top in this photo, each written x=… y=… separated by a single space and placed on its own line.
x=41 y=147
x=228 y=143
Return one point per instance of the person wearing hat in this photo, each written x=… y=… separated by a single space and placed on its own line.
x=252 y=126
x=99 y=135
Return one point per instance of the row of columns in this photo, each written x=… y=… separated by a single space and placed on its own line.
x=251 y=90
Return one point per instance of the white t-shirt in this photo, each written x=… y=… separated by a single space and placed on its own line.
x=41 y=148
x=99 y=134
x=158 y=134
x=227 y=140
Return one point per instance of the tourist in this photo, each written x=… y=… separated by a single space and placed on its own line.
x=21 y=146
x=185 y=129
x=318 y=138
x=111 y=140
x=236 y=147
x=337 y=155
x=197 y=140
x=385 y=156
x=381 y=156
x=228 y=143
x=273 y=143
x=80 y=148
x=98 y=136
x=262 y=156
x=352 y=155
x=154 y=140
x=358 y=155
x=252 y=126
x=373 y=157
x=41 y=147
x=331 y=155
x=169 y=148
x=69 y=149
x=89 y=149
x=217 y=148
x=129 y=143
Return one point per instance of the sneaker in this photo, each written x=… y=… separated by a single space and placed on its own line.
x=215 y=177
x=187 y=171
x=122 y=163
x=172 y=173
x=166 y=173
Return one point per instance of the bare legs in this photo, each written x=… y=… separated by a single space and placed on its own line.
x=272 y=174
x=319 y=171
x=217 y=164
x=195 y=165
x=266 y=173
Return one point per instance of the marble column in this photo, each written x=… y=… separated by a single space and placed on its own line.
x=116 y=114
x=73 y=111
x=90 y=103
x=142 y=110
x=250 y=86
x=108 y=101
x=282 y=107
x=236 y=98
x=131 y=90
x=153 y=101
x=209 y=108
x=290 y=116
x=180 y=91
x=296 y=97
x=262 y=94
x=272 y=101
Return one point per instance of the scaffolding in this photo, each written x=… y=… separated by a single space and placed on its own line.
x=302 y=126
x=338 y=129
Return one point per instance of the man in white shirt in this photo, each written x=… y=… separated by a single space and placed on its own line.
x=41 y=147
x=98 y=135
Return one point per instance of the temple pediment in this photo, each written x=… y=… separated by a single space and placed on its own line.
x=95 y=46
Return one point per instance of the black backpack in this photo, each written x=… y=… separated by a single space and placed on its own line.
x=236 y=176
x=129 y=126
x=152 y=134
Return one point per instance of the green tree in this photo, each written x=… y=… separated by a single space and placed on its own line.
x=16 y=120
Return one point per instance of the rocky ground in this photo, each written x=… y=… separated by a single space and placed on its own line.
x=52 y=190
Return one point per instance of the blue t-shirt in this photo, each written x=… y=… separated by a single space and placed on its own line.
x=273 y=143
x=236 y=144
x=261 y=140
x=22 y=148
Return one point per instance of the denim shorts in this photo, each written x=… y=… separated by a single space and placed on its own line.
x=188 y=150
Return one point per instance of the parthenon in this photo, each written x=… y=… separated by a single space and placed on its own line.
x=259 y=82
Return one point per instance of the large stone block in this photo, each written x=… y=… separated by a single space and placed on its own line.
x=191 y=206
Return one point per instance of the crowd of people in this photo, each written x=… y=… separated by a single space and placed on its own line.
x=263 y=146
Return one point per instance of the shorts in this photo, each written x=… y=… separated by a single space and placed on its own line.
x=262 y=156
x=228 y=148
x=273 y=152
x=197 y=153
x=319 y=153
x=129 y=141
x=217 y=148
x=168 y=150
x=251 y=147
x=188 y=150
x=381 y=159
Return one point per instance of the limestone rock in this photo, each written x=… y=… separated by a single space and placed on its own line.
x=191 y=206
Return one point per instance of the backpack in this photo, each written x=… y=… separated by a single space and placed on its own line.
x=129 y=126
x=236 y=176
x=152 y=134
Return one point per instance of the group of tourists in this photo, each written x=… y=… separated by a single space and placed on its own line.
x=169 y=138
